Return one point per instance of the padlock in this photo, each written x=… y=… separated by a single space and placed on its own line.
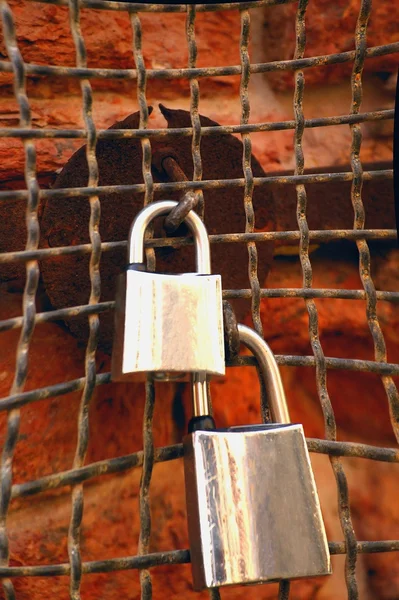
x=167 y=325
x=252 y=505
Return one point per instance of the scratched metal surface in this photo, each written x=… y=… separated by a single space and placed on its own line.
x=17 y=398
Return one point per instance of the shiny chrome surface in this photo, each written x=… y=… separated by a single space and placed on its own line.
x=253 y=510
x=168 y=325
x=156 y=209
x=200 y=395
x=252 y=505
x=270 y=373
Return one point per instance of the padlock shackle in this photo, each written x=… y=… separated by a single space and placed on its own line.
x=156 y=209
x=269 y=371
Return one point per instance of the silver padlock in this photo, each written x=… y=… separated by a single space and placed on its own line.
x=252 y=505
x=169 y=325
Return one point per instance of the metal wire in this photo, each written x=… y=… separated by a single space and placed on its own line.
x=380 y=352
x=147 y=7
x=148 y=442
x=123 y=463
x=208 y=184
x=284 y=65
x=94 y=322
x=346 y=364
x=31 y=284
x=321 y=366
x=248 y=175
x=173 y=557
x=289 y=236
x=194 y=104
x=29 y=318
x=113 y=134
x=86 y=309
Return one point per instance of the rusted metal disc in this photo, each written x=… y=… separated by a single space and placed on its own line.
x=66 y=221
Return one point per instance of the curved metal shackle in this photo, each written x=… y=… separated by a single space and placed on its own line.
x=270 y=373
x=156 y=209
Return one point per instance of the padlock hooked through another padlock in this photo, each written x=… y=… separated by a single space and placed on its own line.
x=167 y=325
x=252 y=504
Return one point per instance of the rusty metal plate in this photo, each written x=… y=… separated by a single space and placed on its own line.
x=65 y=222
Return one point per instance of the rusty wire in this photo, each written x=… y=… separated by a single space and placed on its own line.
x=148 y=442
x=284 y=586
x=111 y=134
x=60 y=389
x=74 y=532
x=123 y=463
x=314 y=336
x=247 y=170
x=284 y=65
x=173 y=557
x=194 y=104
x=17 y=398
x=196 y=185
x=380 y=352
x=154 y=8
x=31 y=284
x=323 y=235
x=68 y=313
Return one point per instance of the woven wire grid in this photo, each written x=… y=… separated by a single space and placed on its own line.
x=17 y=398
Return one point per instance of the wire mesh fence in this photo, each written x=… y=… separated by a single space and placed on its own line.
x=30 y=318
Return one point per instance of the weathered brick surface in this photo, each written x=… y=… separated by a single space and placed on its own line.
x=108 y=38
x=38 y=526
x=111 y=525
x=330 y=29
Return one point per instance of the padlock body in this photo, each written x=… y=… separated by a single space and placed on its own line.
x=168 y=325
x=252 y=507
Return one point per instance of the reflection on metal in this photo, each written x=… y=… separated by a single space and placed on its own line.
x=252 y=505
x=254 y=514
x=200 y=395
x=168 y=325
x=316 y=364
x=269 y=372
x=157 y=209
